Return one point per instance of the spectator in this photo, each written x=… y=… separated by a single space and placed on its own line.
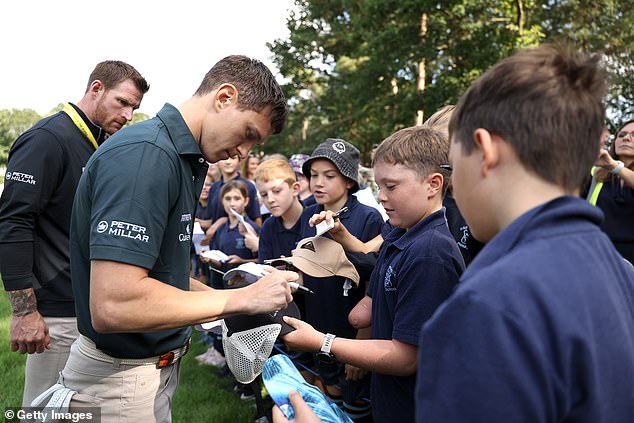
x=305 y=196
x=613 y=192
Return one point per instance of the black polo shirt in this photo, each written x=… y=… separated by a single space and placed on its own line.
x=135 y=204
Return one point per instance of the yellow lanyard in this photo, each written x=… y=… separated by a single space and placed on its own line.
x=80 y=124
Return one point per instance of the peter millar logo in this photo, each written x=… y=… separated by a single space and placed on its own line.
x=339 y=147
x=102 y=226
x=20 y=177
x=122 y=229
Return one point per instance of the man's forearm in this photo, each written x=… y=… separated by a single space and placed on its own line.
x=23 y=302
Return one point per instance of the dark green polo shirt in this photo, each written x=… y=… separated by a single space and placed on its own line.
x=135 y=204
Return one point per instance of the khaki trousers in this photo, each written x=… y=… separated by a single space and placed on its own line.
x=42 y=370
x=123 y=393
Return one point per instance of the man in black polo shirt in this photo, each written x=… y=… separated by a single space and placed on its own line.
x=45 y=164
x=131 y=237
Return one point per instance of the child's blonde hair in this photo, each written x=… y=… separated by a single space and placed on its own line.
x=270 y=170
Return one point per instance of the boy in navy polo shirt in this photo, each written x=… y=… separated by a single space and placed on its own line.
x=418 y=267
x=275 y=181
x=541 y=327
x=332 y=171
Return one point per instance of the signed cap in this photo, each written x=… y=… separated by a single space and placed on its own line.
x=320 y=257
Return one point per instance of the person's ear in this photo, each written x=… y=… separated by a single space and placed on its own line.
x=295 y=189
x=489 y=149
x=435 y=181
x=96 y=87
x=226 y=96
x=349 y=183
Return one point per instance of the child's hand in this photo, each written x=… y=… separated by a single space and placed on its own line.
x=354 y=373
x=251 y=240
x=303 y=412
x=328 y=216
x=208 y=260
x=234 y=259
x=304 y=337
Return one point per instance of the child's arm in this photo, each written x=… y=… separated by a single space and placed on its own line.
x=387 y=356
x=361 y=315
x=340 y=234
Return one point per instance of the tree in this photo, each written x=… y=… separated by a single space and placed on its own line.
x=361 y=69
x=12 y=123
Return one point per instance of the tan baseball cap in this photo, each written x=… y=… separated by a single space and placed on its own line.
x=319 y=257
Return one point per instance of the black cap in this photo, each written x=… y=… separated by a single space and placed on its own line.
x=242 y=322
x=344 y=155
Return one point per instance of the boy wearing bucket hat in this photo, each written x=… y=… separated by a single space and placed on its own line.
x=332 y=171
x=418 y=267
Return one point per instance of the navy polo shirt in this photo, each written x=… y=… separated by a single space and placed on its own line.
x=540 y=328
x=135 y=204
x=327 y=310
x=216 y=210
x=230 y=241
x=416 y=271
x=277 y=241
x=616 y=201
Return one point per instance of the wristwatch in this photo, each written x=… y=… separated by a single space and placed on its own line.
x=619 y=165
x=324 y=355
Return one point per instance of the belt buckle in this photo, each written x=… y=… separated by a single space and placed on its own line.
x=168 y=358
x=165 y=360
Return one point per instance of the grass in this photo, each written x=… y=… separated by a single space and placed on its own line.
x=201 y=397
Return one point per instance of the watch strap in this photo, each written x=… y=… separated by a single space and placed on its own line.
x=619 y=165
x=327 y=343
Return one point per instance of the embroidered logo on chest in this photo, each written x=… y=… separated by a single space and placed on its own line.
x=388 y=284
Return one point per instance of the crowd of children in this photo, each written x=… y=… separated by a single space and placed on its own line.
x=359 y=343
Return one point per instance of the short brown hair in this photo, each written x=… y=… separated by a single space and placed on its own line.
x=546 y=102
x=256 y=85
x=420 y=149
x=275 y=169
x=234 y=184
x=113 y=72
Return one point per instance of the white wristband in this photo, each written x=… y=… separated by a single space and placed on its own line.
x=619 y=165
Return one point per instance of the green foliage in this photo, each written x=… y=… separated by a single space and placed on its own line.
x=352 y=66
x=12 y=123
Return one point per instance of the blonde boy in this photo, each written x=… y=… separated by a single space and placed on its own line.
x=279 y=190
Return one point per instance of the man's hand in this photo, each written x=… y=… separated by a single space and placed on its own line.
x=271 y=293
x=29 y=333
x=303 y=412
x=304 y=337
